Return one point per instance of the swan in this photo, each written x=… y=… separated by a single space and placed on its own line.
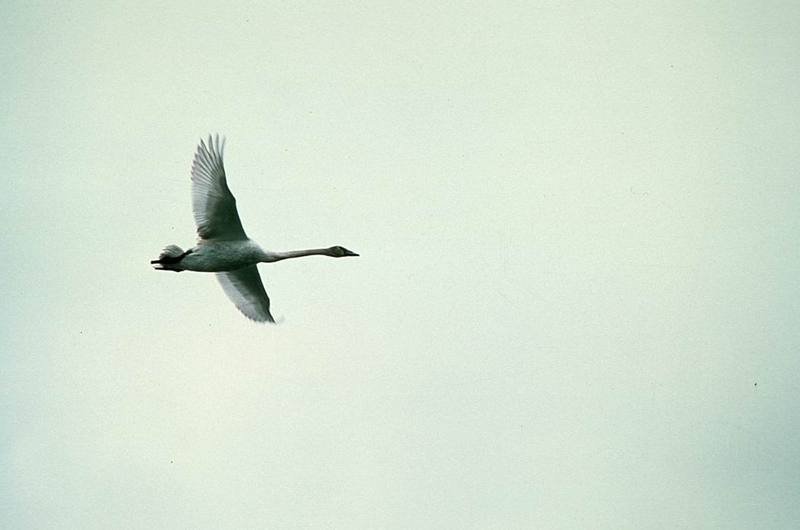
x=222 y=246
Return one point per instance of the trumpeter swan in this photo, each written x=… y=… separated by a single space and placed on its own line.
x=222 y=246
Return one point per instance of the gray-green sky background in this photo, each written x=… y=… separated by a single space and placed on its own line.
x=577 y=299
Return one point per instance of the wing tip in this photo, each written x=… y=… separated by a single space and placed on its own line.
x=260 y=319
x=208 y=157
x=210 y=150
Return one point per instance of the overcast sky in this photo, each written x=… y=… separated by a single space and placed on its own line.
x=577 y=299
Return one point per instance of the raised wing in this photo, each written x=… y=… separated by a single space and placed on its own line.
x=244 y=288
x=213 y=203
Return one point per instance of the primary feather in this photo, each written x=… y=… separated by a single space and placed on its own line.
x=245 y=290
x=213 y=203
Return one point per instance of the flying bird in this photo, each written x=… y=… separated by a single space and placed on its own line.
x=222 y=246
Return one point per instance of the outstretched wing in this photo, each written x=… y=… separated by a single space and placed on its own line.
x=244 y=288
x=213 y=203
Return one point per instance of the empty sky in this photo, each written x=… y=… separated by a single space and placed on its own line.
x=575 y=307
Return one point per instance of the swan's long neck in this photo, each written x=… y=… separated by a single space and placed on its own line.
x=269 y=257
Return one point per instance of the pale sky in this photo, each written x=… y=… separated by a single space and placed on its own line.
x=576 y=305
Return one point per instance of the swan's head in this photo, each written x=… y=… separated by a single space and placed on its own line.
x=340 y=252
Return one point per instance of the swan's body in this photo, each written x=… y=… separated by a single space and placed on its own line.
x=223 y=247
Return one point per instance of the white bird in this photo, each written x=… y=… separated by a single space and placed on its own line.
x=222 y=246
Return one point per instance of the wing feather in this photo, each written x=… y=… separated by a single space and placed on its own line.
x=244 y=288
x=213 y=203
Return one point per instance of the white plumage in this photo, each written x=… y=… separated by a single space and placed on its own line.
x=222 y=246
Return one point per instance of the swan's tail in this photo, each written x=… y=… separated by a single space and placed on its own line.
x=169 y=258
